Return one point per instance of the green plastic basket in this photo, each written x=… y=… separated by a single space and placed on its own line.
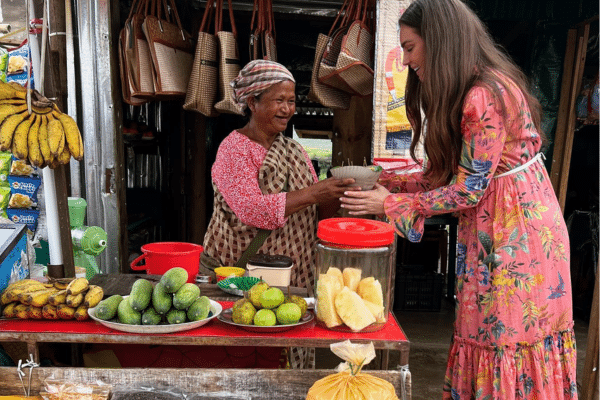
x=237 y=285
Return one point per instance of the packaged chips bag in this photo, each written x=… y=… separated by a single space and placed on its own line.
x=5 y=164
x=350 y=383
x=18 y=63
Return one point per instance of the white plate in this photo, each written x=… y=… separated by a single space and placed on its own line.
x=215 y=309
x=225 y=316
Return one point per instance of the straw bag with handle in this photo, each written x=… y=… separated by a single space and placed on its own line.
x=124 y=64
x=172 y=51
x=355 y=60
x=229 y=61
x=203 y=85
x=327 y=69
x=321 y=93
x=262 y=37
x=141 y=68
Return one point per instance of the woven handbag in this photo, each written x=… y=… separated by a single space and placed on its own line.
x=126 y=85
x=327 y=73
x=262 y=36
x=203 y=88
x=229 y=61
x=321 y=93
x=141 y=67
x=172 y=51
x=355 y=60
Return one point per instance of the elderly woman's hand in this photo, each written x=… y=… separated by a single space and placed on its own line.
x=365 y=202
x=331 y=189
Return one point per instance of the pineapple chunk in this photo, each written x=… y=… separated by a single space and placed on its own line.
x=376 y=310
x=351 y=278
x=328 y=286
x=370 y=289
x=337 y=273
x=352 y=310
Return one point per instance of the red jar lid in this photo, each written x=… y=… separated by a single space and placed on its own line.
x=355 y=232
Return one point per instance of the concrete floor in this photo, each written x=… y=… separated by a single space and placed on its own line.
x=429 y=334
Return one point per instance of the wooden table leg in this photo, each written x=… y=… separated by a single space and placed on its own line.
x=32 y=348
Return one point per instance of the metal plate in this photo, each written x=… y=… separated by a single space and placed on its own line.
x=215 y=309
x=225 y=316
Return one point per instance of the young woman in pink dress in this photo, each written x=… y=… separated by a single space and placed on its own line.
x=480 y=125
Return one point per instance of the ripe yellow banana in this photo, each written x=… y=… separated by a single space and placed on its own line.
x=56 y=135
x=81 y=313
x=49 y=312
x=74 y=300
x=13 y=294
x=38 y=298
x=65 y=312
x=7 y=129
x=21 y=311
x=34 y=151
x=9 y=310
x=45 y=150
x=19 y=142
x=78 y=285
x=93 y=296
x=64 y=157
x=57 y=298
x=5 y=299
x=41 y=110
x=34 y=312
x=73 y=136
x=8 y=91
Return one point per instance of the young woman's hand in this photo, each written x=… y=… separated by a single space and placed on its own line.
x=365 y=202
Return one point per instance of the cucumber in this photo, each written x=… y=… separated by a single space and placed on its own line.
x=185 y=296
x=174 y=279
x=150 y=317
x=141 y=294
x=127 y=315
x=161 y=300
x=199 y=309
x=176 y=316
x=107 y=308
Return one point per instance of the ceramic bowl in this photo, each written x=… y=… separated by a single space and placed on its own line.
x=365 y=177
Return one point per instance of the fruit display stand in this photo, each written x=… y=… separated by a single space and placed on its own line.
x=264 y=384
x=214 y=333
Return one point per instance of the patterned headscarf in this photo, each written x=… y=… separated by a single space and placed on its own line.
x=256 y=77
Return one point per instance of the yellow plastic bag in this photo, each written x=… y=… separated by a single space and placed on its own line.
x=349 y=383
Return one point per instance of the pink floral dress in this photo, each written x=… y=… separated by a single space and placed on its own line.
x=513 y=334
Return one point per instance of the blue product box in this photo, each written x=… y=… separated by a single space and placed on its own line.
x=14 y=264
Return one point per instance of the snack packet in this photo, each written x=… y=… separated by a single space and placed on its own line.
x=25 y=185
x=4 y=198
x=21 y=168
x=5 y=164
x=24 y=216
x=349 y=383
x=17 y=65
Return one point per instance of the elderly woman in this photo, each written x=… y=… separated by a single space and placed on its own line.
x=267 y=195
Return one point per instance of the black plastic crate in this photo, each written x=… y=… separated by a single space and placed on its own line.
x=418 y=292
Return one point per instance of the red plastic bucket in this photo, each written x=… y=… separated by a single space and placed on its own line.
x=162 y=256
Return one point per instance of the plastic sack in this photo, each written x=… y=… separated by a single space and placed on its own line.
x=148 y=391
x=349 y=383
x=62 y=389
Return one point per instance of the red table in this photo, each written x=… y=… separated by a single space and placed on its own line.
x=216 y=333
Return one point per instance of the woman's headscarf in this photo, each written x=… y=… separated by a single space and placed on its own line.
x=256 y=77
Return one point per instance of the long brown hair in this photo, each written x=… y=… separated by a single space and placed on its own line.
x=459 y=54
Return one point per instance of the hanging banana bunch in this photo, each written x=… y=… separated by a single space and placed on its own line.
x=46 y=137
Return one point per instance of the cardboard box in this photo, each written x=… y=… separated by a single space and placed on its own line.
x=14 y=263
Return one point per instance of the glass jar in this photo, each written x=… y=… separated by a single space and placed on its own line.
x=355 y=270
